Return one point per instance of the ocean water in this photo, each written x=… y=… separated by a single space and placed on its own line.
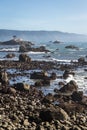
x=58 y=52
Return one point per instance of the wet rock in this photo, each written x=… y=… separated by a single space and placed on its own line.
x=77 y=96
x=42 y=83
x=38 y=75
x=4 y=77
x=67 y=73
x=22 y=86
x=25 y=48
x=81 y=60
x=10 y=55
x=72 y=47
x=69 y=87
x=53 y=76
x=61 y=84
x=24 y=58
x=57 y=42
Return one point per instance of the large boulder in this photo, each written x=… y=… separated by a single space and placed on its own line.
x=53 y=114
x=24 y=58
x=4 y=77
x=69 y=87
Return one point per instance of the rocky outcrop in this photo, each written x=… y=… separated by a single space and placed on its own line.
x=24 y=58
x=67 y=73
x=10 y=55
x=53 y=114
x=69 y=87
x=81 y=60
x=72 y=47
x=26 y=48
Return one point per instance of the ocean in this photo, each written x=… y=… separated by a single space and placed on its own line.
x=58 y=52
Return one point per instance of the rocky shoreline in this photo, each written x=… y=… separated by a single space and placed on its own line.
x=24 y=107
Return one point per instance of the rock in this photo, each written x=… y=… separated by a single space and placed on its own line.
x=53 y=114
x=81 y=60
x=77 y=96
x=53 y=76
x=57 y=42
x=38 y=75
x=67 y=73
x=10 y=55
x=4 y=77
x=25 y=48
x=42 y=83
x=26 y=122
x=24 y=58
x=9 y=90
x=61 y=83
x=69 y=87
x=22 y=86
x=72 y=47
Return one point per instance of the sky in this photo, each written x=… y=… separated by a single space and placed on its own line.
x=60 y=15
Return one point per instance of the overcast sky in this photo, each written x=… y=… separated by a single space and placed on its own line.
x=61 y=15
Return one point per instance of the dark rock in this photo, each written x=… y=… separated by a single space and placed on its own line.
x=22 y=86
x=67 y=73
x=57 y=42
x=53 y=114
x=69 y=87
x=61 y=83
x=72 y=47
x=46 y=82
x=53 y=76
x=8 y=90
x=11 y=55
x=24 y=58
x=38 y=75
x=81 y=60
x=25 y=48
x=42 y=83
x=77 y=96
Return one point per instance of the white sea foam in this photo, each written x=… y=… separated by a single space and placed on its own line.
x=32 y=52
x=9 y=49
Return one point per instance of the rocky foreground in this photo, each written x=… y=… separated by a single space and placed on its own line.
x=24 y=107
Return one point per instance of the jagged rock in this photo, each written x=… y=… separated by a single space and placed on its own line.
x=77 y=96
x=81 y=60
x=72 y=47
x=22 y=86
x=53 y=76
x=10 y=55
x=69 y=87
x=67 y=73
x=42 y=83
x=24 y=58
